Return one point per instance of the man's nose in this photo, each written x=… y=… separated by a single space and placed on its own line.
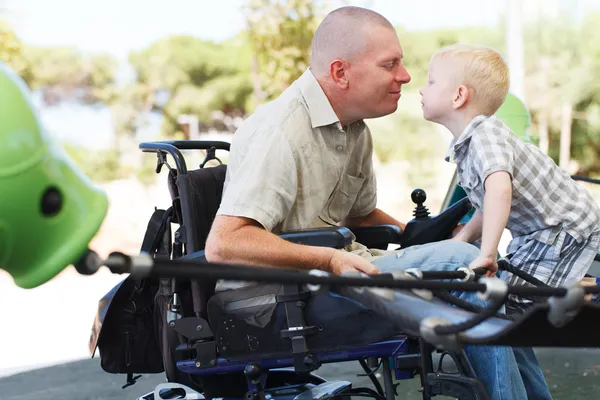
x=403 y=75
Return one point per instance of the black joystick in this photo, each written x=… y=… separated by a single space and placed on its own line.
x=418 y=197
x=254 y=374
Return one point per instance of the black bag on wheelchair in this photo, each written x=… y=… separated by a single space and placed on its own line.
x=125 y=328
x=127 y=342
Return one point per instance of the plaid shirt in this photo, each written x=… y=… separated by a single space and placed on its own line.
x=545 y=200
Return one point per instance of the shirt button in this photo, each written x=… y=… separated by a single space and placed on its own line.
x=339 y=148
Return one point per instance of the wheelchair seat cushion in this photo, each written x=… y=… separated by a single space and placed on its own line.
x=248 y=321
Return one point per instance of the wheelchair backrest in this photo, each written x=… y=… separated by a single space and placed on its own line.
x=199 y=193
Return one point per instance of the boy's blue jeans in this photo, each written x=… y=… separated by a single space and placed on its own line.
x=506 y=373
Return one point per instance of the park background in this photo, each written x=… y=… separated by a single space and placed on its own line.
x=107 y=75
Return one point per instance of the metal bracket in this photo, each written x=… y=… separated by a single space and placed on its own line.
x=563 y=309
x=495 y=289
x=445 y=342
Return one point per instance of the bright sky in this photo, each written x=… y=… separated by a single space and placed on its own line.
x=118 y=26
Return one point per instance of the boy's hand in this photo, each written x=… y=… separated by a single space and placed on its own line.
x=489 y=263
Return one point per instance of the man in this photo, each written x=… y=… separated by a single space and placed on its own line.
x=304 y=160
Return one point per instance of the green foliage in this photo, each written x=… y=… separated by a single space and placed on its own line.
x=562 y=66
x=281 y=33
x=184 y=75
x=64 y=73
x=100 y=166
x=11 y=49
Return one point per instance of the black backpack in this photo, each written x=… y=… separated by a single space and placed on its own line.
x=125 y=329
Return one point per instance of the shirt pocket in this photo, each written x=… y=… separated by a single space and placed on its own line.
x=344 y=197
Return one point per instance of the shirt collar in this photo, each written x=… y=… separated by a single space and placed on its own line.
x=319 y=108
x=457 y=143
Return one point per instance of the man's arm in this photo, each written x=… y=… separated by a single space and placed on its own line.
x=238 y=240
x=375 y=217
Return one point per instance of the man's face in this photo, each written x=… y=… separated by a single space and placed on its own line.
x=377 y=75
x=436 y=95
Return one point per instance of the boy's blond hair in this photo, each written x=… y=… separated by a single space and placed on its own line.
x=483 y=71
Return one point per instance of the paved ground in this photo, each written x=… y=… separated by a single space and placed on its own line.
x=571 y=374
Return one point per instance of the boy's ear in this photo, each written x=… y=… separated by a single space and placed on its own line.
x=461 y=97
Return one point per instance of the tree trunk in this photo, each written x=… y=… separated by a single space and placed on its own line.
x=543 y=132
x=565 y=135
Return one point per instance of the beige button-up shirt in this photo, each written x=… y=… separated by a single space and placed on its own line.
x=292 y=166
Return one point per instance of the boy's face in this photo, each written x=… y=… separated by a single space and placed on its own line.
x=437 y=94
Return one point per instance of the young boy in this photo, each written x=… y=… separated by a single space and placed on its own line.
x=554 y=222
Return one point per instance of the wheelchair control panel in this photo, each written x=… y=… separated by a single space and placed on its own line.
x=424 y=228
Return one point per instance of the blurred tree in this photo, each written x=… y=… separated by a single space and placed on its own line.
x=280 y=32
x=60 y=73
x=66 y=74
x=561 y=86
x=184 y=75
x=11 y=49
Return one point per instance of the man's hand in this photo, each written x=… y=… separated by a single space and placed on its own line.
x=489 y=263
x=342 y=261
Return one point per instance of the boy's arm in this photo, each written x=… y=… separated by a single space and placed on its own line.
x=472 y=230
x=496 y=206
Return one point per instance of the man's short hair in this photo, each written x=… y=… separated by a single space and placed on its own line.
x=342 y=34
x=483 y=70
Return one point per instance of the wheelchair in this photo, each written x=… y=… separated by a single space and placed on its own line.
x=266 y=341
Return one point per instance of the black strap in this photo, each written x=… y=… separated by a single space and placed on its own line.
x=297 y=330
x=156 y=229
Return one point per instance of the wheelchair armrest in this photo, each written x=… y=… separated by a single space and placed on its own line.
x=378 y=236
x=336 y=236
x=197 y=255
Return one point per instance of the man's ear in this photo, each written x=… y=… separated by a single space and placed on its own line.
x=461 y=96
x=338 y=70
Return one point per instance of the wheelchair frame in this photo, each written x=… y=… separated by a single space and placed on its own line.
x=405 y=356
